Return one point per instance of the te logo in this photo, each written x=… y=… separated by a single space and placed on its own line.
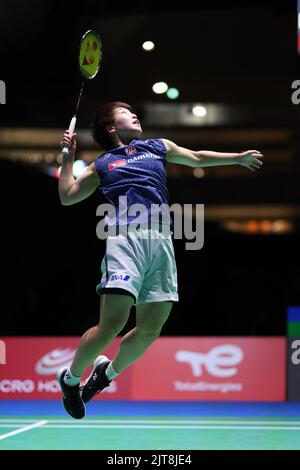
x=2 y=352
x=296 y=354
x=2 y=92
x=217 y=361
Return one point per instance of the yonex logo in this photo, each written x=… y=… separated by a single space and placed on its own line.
x=115 y=164
x=116 y=277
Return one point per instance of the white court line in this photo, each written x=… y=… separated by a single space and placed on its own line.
x=24 y=429
x=11 y=425
x=108 y=426
x=18 y=420
x=154 y=421
x=152 y=424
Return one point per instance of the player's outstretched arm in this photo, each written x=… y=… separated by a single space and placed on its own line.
x=251 y=159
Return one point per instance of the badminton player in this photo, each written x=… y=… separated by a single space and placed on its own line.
x=139 y=268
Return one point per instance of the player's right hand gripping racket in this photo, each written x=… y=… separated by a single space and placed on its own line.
x=90 y=57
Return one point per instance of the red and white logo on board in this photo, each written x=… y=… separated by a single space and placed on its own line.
x=42 y=358
x=186 y=368
x=130 y=150
x=115 y=164
x=51 y=362
x=219 y=361
x=222 y=369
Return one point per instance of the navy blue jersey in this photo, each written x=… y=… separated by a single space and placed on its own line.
x=136 y=171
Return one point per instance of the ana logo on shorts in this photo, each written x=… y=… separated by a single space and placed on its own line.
x=122 y=277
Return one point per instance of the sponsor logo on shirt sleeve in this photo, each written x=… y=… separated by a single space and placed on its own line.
x=115 y=164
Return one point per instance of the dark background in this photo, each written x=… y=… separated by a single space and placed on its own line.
x=243 y=54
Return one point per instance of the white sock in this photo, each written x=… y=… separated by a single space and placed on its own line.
x=71 y=379
x=110 y=372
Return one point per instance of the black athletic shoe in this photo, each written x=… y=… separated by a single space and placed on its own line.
x=71 y=396
x=97 y=381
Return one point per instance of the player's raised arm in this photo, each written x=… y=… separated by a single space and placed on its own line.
x=180 y=155
x=251 y=159
x=70 y=190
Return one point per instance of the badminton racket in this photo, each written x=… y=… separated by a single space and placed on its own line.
x=89 y=61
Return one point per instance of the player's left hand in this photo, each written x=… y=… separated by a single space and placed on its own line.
x=251 y=159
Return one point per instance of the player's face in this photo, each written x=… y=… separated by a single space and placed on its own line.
x=125 y=119
x=126 y=125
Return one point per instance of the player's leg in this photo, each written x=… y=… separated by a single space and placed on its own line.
x=114 y=313
x=150 y=318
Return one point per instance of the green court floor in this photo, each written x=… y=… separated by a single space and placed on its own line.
x=144 y=432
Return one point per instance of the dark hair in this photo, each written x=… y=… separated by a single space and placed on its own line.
x=103 y=117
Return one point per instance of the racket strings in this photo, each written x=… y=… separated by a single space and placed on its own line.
x=90 y=54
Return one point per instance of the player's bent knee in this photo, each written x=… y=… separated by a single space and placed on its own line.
x=112 y=330
x=149 y=335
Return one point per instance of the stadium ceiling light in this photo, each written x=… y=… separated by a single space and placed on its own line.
x=148 y=46
x=160 y=87
x=172 y=93
x=199 y=111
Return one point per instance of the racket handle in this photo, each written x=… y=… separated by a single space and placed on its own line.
x=65 y=149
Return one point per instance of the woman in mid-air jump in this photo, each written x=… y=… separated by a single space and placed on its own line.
x=139 y=268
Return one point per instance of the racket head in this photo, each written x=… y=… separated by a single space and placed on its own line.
x=90 y=54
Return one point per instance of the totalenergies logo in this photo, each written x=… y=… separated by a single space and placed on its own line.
x=54 y=360
x=218 y=362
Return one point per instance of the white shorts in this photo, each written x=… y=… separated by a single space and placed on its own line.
x=143 y=264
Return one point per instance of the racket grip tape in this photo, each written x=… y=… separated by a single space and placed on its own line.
x=65 y=149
